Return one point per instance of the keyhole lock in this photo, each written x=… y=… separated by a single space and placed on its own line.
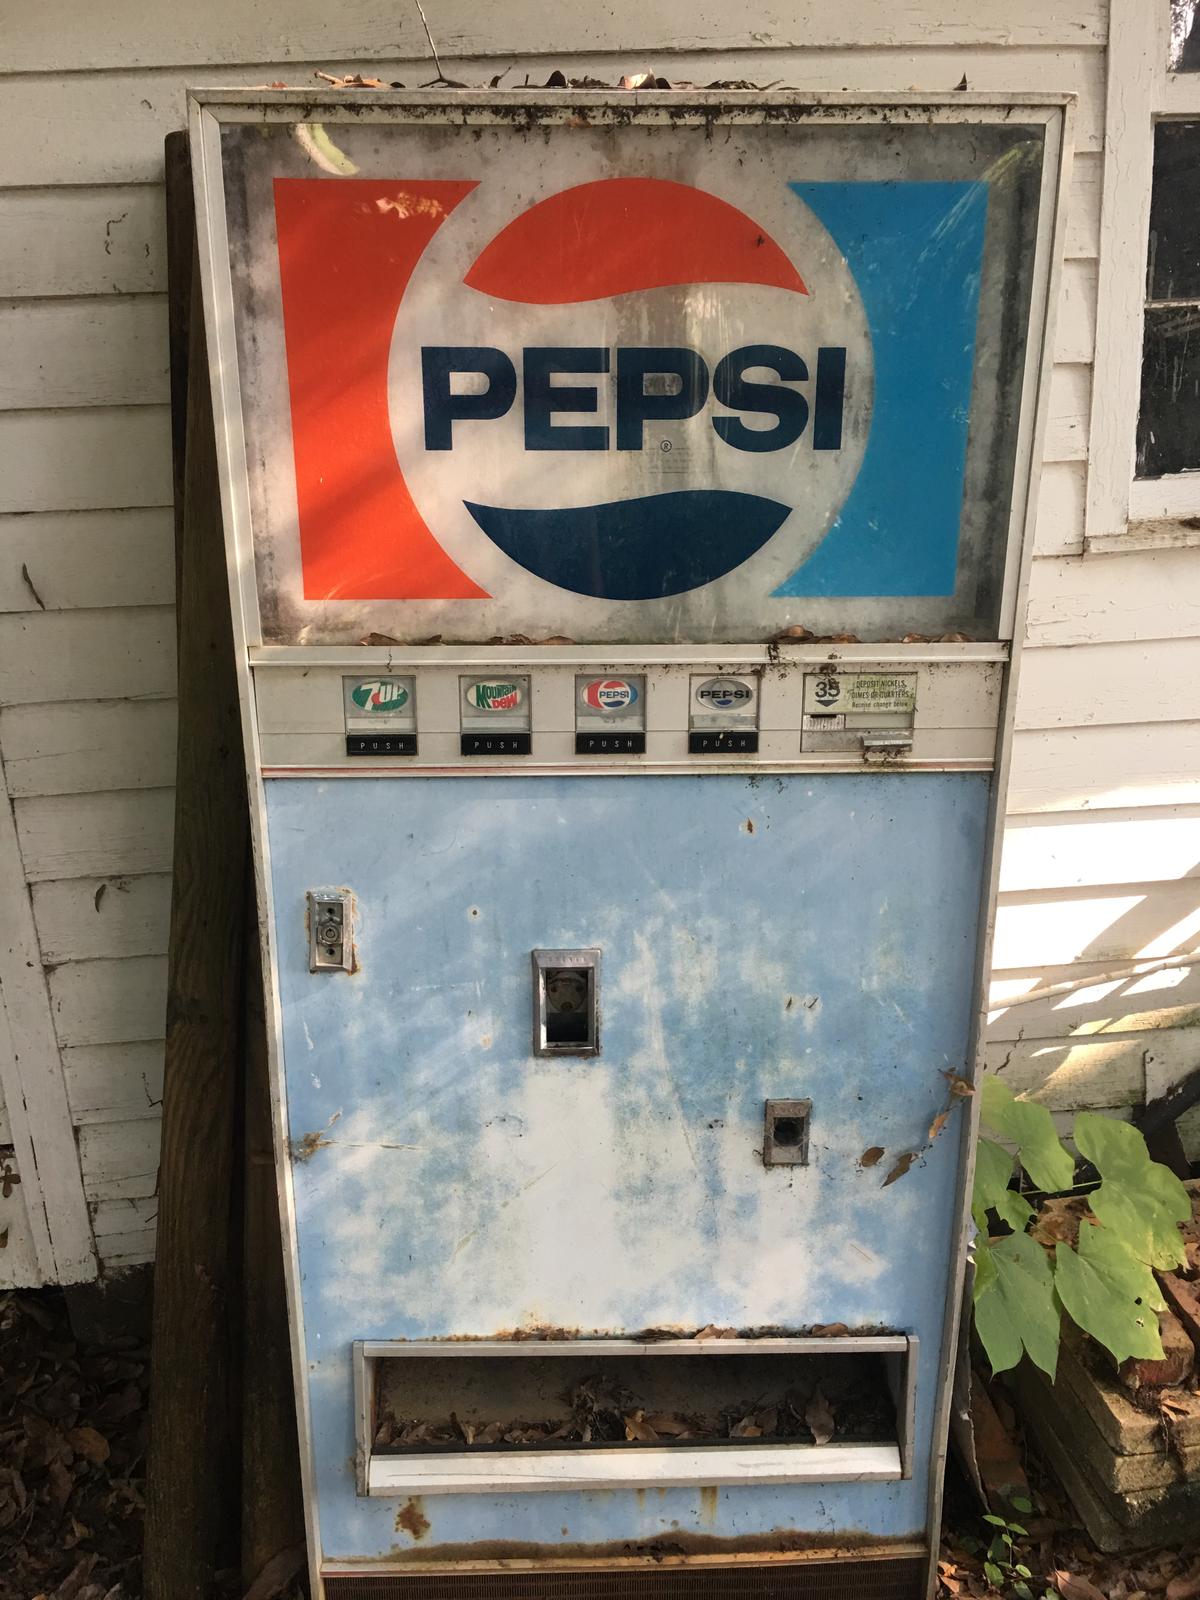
x=785 y=1133
x=330 y=946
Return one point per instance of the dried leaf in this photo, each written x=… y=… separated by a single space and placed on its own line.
x=819 y=1416
x=713 y=1332
x=1073 y=1586
x=747 y=1428
x=938 y=1123
x=901 y=1167
x=636 y=1427
x=959 y=1086
x=89 y=1444
x=1186 y=1586
x=871 y=1156
x=670 y=1427
x=830 y=1330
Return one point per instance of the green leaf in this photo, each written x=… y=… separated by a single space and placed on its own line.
x=1140 y=1200
x=1030 y=1127
x=1021 y=1533
x=1015 y=1309
x=1020 y=1503
x=1023 y=1589
x=1022 y=1571
x=1109 y=1293
x=996 y=1522
x=993 y=1574
x=993 y=1170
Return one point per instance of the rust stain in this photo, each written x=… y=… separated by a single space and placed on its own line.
x=411 y=1519
x=748 y=825
x=708 y=1503
x=674 y=1548
x=306 y=1147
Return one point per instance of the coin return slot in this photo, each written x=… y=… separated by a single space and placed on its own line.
x=603 y=1412
x=566 y=1018
x=785 y=1133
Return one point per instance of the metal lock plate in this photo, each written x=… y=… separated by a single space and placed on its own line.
x=330 y=931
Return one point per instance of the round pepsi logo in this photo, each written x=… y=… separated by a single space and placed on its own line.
x=609 y=389
x=610 y=694
x=724 y=694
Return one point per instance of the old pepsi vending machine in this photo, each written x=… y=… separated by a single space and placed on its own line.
x=625 y=499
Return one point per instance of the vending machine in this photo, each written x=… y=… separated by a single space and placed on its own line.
x=625 y=499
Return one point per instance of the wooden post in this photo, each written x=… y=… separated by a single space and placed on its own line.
x=193 y=1470
x=223 y=1484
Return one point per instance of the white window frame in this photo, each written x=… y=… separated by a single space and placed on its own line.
x=1123 y=511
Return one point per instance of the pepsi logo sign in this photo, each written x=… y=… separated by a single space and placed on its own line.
x=610 y=694
x=482 y=696
x=724 y=694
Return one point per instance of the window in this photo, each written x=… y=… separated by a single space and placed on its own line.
x=1184 y=51
x=1168 y=432
x=1143 y=486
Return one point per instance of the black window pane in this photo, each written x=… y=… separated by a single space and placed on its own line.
x=1185 y=36
x=1169 y=422
x=1173 y=269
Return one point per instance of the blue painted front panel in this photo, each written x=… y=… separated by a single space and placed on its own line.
x=802 y=936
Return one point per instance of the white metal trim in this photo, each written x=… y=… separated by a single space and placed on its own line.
x=1019 y=580
x=641 y=1468
x=210 y=234
x=1164 y=499
x=626 y=657
x=524 y=1349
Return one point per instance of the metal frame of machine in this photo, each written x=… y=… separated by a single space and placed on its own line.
x=256 y=662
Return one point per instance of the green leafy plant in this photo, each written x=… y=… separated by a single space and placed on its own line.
x=1001 y=1567
x=1105 y=1282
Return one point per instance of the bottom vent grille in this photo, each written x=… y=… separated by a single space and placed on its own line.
x=849 y=1579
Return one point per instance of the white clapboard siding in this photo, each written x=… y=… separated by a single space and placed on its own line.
x=1117 y=922
x=108 y=1002
x=1106 y=1005
x=58 y=36
x=73 y=560
x=127 y=831
x=1085 y=850
x=1066 y=1076
x=108 y=128
x=1083 y=206
x=1146 y=594
x=1071 y=769
x=105 y=350
x=125 y=1230
x=1069 y=407
x=87 y=655
x=82 y=919
x=119 y=1159
x=1081 y=686
x=1062 y=493
x=97 y=241
x=1075 y=329
x=83 y=746
x=114 y=1080
x=85 y=459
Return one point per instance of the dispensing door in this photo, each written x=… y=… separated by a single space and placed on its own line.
x=625 y=508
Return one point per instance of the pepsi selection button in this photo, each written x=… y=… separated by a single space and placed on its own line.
x=723 y=741
x=381 y=744
x=495 y=744
x=610 y=744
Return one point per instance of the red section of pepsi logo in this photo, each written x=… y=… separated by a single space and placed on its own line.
x=609 y=694
x=618 y=235
x=347 y=250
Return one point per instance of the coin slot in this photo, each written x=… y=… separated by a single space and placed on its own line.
x=566 y=1014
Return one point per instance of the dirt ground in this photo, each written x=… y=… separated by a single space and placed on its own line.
x=73 y=1429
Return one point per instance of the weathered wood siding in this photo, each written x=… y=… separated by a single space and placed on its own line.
x=1105 y=836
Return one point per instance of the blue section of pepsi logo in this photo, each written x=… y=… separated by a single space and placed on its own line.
x=916 y=252
x=641 y=549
